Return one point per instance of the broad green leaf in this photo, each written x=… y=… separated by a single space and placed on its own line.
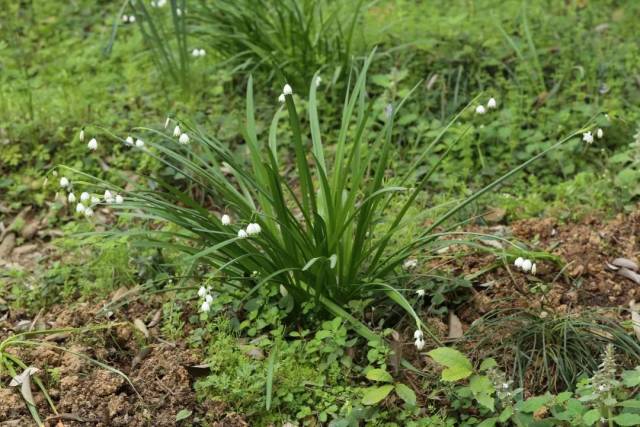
x=373 y=395
x=183 y=414
x=627 y=419
x=534 y=403
x=379 y=375
x=483 y=389
x=489 y=422
x=505 y=414
x=406 y=394
x=488 y=363
x=457 y=365
x=630 y=404
x=591 y=417
x=631 y=378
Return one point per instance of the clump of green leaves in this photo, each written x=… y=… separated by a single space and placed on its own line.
x=604 y=397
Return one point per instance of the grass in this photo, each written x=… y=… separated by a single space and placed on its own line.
x=347 y=180
x=554 y=352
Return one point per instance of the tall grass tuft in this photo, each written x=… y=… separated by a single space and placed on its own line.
x=328 y=235
x=295 y=37
x=553 y=352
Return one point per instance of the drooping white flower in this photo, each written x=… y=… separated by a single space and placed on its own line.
x=166 y=122
x=281 y=98
x=534 y=269
x=208 y=298
x=88 y=212
x=108 y=197
x=71 y=197
x=205 y=307
x=599 y=133
x=178 y=11
x=80 y=208
x=587 y=137
x=410 y=264
x=526 y=265
x=201 y=52
x=85 y=196
x=420 y=292
x=242 y=234
x=132 y=18
x=518 y=262
x=226 y=219
x=492 y=103
x=95 y=200
x=129 y=140
x=287 y=89
x=64 y=182
x=419 y=343
x=125 y=18
x=176 y=131
x=202 y=292
x=139 y=143
x=480 y=109
x=253 y=228
x=318 y=81
x=184 y=139
x=119 y=199
x=418 y=334
x=81 y=135
x=93 y=144
x=195 y=53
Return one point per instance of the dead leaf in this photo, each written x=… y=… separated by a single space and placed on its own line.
x=144 y=352
x=197 y=371
x=24 y=381
x=625 y=272
x=626 y=263
x=139 y=324
x=156 y=318
x=7 y=245
x=455 y=326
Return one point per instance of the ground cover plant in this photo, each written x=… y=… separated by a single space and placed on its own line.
x=318 y=212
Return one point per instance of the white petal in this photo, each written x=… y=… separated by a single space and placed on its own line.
x=526 y=265
x=287 y=89
x=85 y=196
x=184 y=139
x=64 y=182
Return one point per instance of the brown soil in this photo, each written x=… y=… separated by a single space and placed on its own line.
x=581 y=281
x=86 y=394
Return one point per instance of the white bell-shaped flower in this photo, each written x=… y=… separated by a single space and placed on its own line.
x=226 y=219
x=85 y=196
x=492 y=103
x=184 y=139
x=287 y=90
x=64 y=182
x=177 y=131
x=88 y=212
x=71 y=198
x=92 y=144
x=526 y=265
x=253 y=229
x=480 y=109
x=139 y=143
x=518 y=262
x=242 y=234
x=129 y=141
x=80 y=208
